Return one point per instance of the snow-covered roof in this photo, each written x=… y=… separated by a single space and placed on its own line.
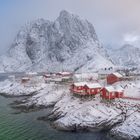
x=46 y=75
x=80 y=84
x=93 y=85
x=66 y=77
x=64 y=73
x=110 y=88
x=31 y=73
x=25 y=78
x=86 y=75
x=119 y=89
x=117 y=74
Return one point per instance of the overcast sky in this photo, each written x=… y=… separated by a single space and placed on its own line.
x=116 y=21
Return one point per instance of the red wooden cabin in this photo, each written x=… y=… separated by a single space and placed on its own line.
x=120 y=93
x=78 y=88
x=111 y=93
x=108 y=93
x=114 y=77
x=93 y=88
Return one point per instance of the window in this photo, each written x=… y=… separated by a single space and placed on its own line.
x=88 y=90
x=79 y=88
x=113 y=93
x=107 y=93
x=92 y=90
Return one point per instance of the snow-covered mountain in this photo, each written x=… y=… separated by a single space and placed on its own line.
x=127 y=55
x=68 y=43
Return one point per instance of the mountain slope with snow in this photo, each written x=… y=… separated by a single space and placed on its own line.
x=69 y=43
x=127 y=55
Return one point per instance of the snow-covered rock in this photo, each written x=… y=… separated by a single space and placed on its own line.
x=48 y=96
x=73 y=114
x=11 y=88
x=129 y=129
x=69 y=43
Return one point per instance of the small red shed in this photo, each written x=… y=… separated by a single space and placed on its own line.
x=108 y=93
x=111 y=93
x=114 y=77
x=119 y=92
x=93 y=88
x=78 y=88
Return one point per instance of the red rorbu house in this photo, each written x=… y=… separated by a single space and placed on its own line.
x=108 y=93
x=114 y=77
x=78 y=88
x=93 y=88
x=119 y=92
x=111 y=93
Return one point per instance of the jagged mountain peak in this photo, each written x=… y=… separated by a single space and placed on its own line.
x=64 y=14
x=68 y=43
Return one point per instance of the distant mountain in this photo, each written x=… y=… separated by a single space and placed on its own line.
x=127 y=55
x=68 y=43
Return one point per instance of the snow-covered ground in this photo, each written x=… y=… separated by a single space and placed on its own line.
x=72 y=113
x=129 y=129
x=131 y=88
x=11 y=88
x=48 y=96
x=121 y=116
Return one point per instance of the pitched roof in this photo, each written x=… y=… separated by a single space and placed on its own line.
x=119 y=89
x=80 y=84
x=64 y=73
x=110 y=88
x=117 y=74
x=93 y=85
x=25 y=78
x=85 y=75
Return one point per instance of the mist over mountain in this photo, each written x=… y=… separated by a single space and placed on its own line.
x=67 y=44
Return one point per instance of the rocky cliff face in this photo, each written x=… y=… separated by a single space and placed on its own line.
x=127 y=55
x=68 y=43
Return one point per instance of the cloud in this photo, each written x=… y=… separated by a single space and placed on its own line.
x=132 y=38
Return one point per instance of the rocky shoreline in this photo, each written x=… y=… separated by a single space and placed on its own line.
x=121 y=118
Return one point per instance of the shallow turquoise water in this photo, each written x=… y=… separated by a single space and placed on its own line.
x=25 y=126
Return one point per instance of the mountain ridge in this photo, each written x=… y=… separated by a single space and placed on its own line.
x=67 y=44
x=127 y=55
